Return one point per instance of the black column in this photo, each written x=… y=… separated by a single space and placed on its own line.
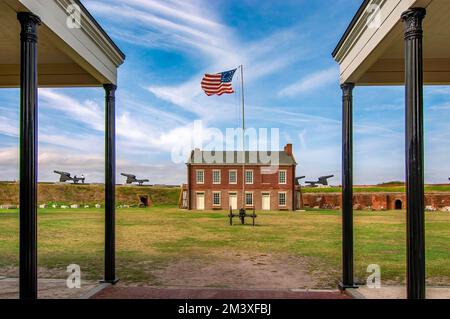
x=28 y=154
x=414 y=153
x=110 y=184
x=347 y=186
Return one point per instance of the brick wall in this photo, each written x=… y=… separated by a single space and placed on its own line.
x=374 y=201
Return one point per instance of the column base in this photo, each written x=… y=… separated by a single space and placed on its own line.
x=112 y=282
x=343 y=287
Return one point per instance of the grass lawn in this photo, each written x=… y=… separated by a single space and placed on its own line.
x=149 y=241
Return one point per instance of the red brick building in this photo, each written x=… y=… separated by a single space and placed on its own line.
x=214 y=180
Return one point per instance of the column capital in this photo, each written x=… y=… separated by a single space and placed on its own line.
x=347 y=88
x=109 y=87
x=29 y=23
x=110 y=90
x=412 y=19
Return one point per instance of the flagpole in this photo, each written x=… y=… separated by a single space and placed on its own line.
x=243 y=137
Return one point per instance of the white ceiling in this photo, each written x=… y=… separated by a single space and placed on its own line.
x=66 y=57
x=384 y=63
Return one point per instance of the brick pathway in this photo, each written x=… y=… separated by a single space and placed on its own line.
x=47 y=289
x=119 y=292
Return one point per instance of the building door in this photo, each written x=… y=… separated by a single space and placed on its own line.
x=265 y=201
x=233 y=201
x=200 y=201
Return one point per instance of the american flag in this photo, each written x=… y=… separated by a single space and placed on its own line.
x=219 y=83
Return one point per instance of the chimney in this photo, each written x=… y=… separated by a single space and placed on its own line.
x=288 y=149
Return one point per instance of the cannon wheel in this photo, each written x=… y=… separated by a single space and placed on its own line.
x=231 y=216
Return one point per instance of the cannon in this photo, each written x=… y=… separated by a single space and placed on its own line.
x=64 y=177
x=323 y=180
x=242 y=215
x=132 y=179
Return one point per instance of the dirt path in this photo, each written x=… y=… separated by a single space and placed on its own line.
x=255 y=271
x=221 y=270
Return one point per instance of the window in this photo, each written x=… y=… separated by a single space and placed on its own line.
x=232 y=177
x=216 y=177
x=200 y=176
x=281 y=199
x=249 y=199
x=249 y=177
x=281 y=177
x=216 y=198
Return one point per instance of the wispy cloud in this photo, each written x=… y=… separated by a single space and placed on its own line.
x=87 y=112
x=438 y=90
x=141 y=129
x=172 y=24
x=194 y=28
x=311 y=83
x=8 y=126
x=179 y=9
x=444 y=106
x=384 y=107
x=261 y=58
x=8 y=155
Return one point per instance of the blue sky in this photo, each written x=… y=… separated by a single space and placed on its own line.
x=291 y=84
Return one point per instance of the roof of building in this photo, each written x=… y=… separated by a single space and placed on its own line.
x=236 y=158
x=356 y=17
x=105 y=34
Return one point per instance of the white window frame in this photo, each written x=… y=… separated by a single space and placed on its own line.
x=285 y=199
x=220 y=177
x=220 y=198
x=196 y=176
x=236 y=174
x=285 y=177
x=253 y=177
x=253 y=199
